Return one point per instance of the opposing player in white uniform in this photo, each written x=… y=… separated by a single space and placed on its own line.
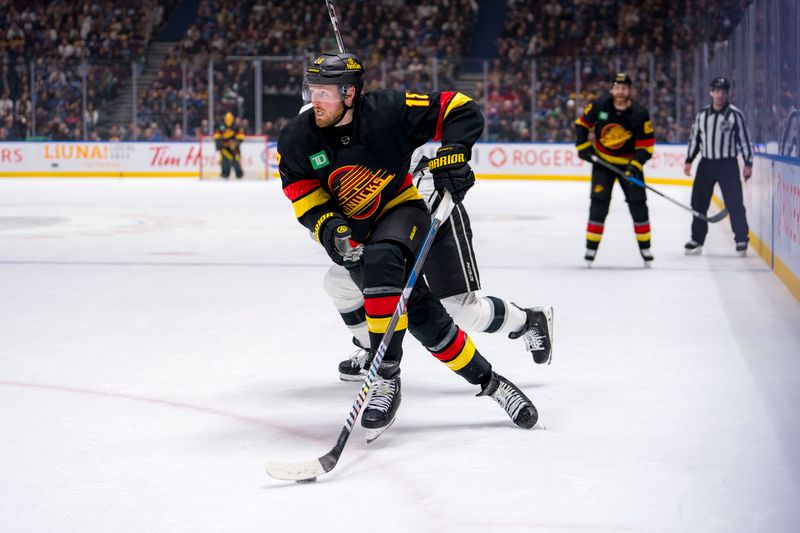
x=452 y=274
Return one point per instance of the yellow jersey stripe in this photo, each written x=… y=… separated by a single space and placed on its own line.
x=457 y=101
x=614 y=159
x=409 y=194
x=303 y=205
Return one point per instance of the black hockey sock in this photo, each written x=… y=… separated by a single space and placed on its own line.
x=458 y=352
x=594 y=233
x=642 y=230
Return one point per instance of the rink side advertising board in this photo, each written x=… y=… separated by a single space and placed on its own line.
x=547 y=161
x=772 y=200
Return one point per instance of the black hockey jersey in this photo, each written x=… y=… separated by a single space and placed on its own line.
x=228 y=140
x=621 y=137
x=360 y=170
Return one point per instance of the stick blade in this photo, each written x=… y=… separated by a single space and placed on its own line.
x=719 y=216
x=295 y=471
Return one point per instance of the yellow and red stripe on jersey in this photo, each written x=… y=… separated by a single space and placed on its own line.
x=448 y=101
x=459 y=353
x=305 y=195
x=406 y=192
x=646 y=145
x=594 y=231
x=583 y=122
x=642 y=230
x=379 y=311
x=611 y=157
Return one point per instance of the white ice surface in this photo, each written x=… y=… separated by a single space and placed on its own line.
x=160 y=340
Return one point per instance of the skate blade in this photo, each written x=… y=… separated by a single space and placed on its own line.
x=352 y=377
x=374 y=433
x=647 y=264
x=742 y=253
x=549 y=313
x=589 y=263
x=696 y=251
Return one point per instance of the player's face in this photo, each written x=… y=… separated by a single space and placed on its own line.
x=327 y=103
x=719 y=97
x=621 y=92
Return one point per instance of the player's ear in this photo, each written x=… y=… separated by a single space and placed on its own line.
x=351 y=94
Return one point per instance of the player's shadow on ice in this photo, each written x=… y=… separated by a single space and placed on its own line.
x=350 y=389
x=409 y=427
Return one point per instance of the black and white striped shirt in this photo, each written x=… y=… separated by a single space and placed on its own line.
x=720 y=135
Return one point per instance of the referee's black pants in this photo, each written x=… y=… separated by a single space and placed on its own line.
x=726 y=173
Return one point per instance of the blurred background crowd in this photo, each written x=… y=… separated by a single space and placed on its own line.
x=169 y=69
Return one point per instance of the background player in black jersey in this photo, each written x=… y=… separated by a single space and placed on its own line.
x=228 y=139
x=344 y=165
x=451 y=272
x=623 y=136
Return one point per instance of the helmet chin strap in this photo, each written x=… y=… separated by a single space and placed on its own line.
x=345 y=109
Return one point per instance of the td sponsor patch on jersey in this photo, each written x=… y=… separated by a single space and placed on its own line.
x=603 y=115
x=319 y=160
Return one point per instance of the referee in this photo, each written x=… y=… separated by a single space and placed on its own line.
x=719 y=135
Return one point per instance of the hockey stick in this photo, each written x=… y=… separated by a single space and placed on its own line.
x=335 y=24
x=714 y=218
x=307 y=472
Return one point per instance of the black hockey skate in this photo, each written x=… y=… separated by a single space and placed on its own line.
x=356 y=368
x=693 y=248
x=647 y=256
x=589 y=257
x=382 y=404
x=516 y=404
x=537 y=333
x=741 y=249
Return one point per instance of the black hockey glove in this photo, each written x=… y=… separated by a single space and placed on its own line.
x=586 y=152
x=634 y=171
x=335 y=237
x=451 y=171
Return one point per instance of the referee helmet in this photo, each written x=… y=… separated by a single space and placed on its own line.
x=721 y=83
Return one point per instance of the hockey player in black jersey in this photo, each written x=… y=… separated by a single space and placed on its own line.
x=451 y=272
x=228 y=139
x=344 y=165
x=623 y=136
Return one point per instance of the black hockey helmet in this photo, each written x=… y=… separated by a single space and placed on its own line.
x=621 y=77
x=333 y=68
x=721 y=83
